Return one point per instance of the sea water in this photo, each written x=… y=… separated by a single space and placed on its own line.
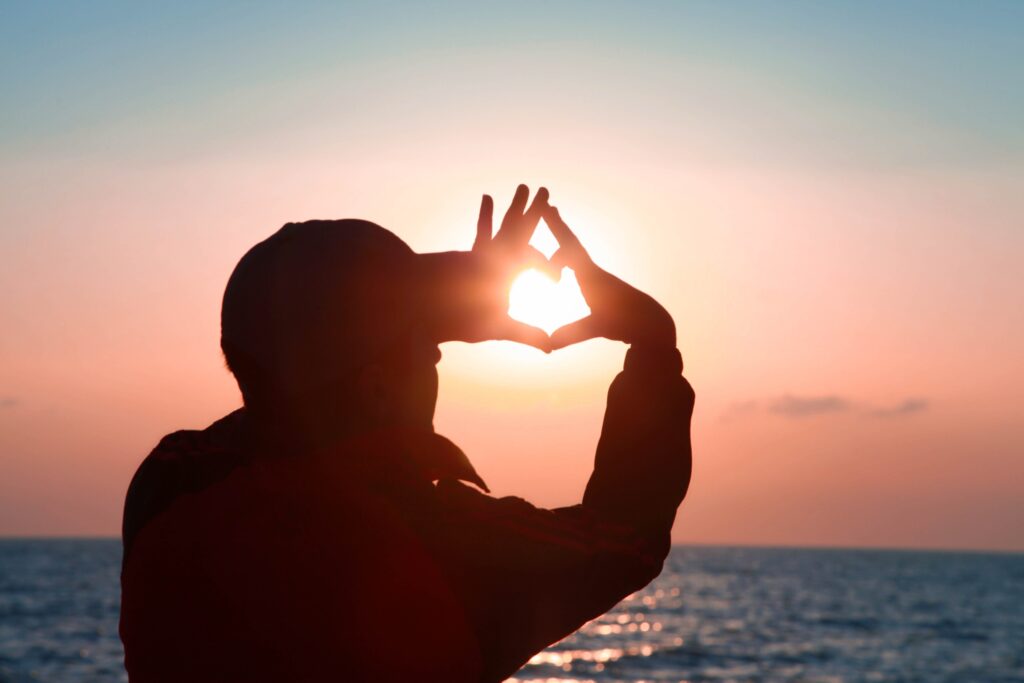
x=715 y=614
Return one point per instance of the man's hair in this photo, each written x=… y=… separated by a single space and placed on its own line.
x=310 y=305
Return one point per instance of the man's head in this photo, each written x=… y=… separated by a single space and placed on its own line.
x=320 y=325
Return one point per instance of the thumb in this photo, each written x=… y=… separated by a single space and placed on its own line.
x=532 y=258
x=570 y=258
x=561 y=259
x=513 y=330
x=574 y=333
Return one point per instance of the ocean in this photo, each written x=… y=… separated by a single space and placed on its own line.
x=715 y=614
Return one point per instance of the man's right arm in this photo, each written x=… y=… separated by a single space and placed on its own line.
x=541 y=574
x=530 y=576
x=643 y=462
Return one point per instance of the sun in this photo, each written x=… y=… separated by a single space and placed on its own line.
x=537 y=300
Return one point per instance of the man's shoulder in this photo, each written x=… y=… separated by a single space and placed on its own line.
x=220 y=436
x=213 y=471
x=185 y=461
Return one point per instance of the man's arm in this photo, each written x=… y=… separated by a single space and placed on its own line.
x=532 y=576
x=643 y=461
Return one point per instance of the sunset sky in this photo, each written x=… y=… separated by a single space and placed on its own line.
x=828 y=197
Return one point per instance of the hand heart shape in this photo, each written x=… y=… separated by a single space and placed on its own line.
x=537 y=300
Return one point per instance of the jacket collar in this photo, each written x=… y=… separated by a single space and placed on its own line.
x=428 y=454
x=423 y=452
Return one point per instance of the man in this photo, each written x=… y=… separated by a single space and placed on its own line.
x=325 y=532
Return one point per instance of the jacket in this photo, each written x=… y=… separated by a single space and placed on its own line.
x=382 y=557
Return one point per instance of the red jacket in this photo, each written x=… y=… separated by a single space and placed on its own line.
x=352 y=564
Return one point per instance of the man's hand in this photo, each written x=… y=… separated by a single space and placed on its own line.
x=509 y=253
x=618 y=311
x=474 y=286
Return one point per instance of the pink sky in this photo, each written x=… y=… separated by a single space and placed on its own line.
x=856 y=384
x=843 y=265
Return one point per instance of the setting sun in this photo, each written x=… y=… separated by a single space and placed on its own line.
x=537 y=300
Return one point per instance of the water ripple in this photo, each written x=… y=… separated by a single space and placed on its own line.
x=715 y=614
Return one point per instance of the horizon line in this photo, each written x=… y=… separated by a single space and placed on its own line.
x=675 y=544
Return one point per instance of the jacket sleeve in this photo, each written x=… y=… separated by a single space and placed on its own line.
x=531 y=576
x=643 y=464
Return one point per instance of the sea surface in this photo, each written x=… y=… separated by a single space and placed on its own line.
x=715 y=614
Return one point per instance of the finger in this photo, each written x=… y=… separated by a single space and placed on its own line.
x=515 y=210
x=532 y=258
x=484 y=222
x=574 y=333
x=525 y=228
x=561 y=259
x=565 y=237
x=513 y=330
x=519 y=231
x=565 y=258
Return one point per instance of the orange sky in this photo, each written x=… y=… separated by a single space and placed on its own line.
x=842 y=263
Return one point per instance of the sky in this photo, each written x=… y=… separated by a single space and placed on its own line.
x=828 y=198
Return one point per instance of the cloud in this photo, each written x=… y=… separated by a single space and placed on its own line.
x=807 y=406
x=8 y=402
x=790 y=406
x=909 y=406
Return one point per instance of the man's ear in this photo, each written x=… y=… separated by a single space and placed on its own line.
x=374 y=393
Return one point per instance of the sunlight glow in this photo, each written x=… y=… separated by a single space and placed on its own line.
x=536 y=300
x=543 y=240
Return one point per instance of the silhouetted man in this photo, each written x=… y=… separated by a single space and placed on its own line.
x=325 y=532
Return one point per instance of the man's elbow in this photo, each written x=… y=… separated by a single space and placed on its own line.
x=648 y=563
